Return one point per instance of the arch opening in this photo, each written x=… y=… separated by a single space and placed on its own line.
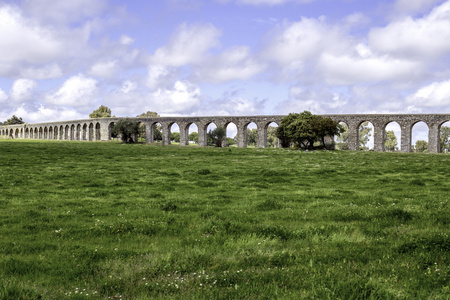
x=365 y=136
x=192 y=134
x=50 y=133
x=341 y=141
x=419 y=137
x=231 y=134
x=392 y=137
x=444 y=137
x=251 y=135
x=271 y=135
x=174 y=131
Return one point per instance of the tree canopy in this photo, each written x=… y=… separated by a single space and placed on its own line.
x=445 y=138
x=216 y=136
x=13 y=120
x=149 y=114
x=101 y=112
x=127 y=130
x=303 y=129
x=390 y=144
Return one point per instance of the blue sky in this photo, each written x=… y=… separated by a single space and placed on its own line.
x=60 y=60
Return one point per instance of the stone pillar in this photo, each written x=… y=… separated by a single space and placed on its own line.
x=148 y=132
x=262 y=136
x=165 y=127
x=379 y=136
x=353 y=136
x=104 y=130
x=241 y=136
x=433 y=138
x=202 y=135
x=184 y=134
x=405 y=137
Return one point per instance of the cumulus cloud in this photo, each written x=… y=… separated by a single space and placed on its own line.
x=46 y=114
x=421 y=38
x=434 y=94
x=78 y=90
x=22 y=89
x=3 y=96
x=184 y=96
x=104 y=69
x=46 y=72
x=126 y=40
x=236 y=63
x=24 y=40
x=188 y=45
x=408 y=7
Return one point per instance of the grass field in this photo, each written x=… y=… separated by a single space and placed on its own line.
x=82 y=220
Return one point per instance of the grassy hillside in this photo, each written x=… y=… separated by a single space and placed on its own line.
x=111 y=221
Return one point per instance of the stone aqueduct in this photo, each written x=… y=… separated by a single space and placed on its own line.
x=100 y=129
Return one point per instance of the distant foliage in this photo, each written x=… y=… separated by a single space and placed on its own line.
x=127 y=130
x=390 y=143
x=421 y=146
x=445 y=138
x=101 y=112
x=13 y=120
x=304 y=129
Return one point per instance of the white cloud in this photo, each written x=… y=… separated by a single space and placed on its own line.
x=422 y=38
x=434 y=94
x=78 y=90
x=183 y=97
x=104 y=69
x=126 y=40
x=159 y=76
x=25 y=40
x=45 y=114
x=345 y=70
x=189 y=45
x=3 y=96
x=128 y=86
x=46 y=72
x=235 y=63
x=22 y=89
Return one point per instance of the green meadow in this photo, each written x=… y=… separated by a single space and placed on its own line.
x=82 y=220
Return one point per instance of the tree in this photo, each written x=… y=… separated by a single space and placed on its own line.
x=14 y=120
x=305 y=128
x=421 y=146
x=252 y=137
x=364 y=135
x=272 y=140
x=216 y=136
x=127 y=130
x=342 y=138
x=390 y=144
x=175 y=137
x=101 y=112
x=148 y=114
x=193 y=136
x=231 y=141
x=445 y=138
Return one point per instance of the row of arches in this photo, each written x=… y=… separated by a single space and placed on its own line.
x=255 y=131
x=72 y=132
x=413 y=138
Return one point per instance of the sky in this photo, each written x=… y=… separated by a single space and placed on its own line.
x=60 y=60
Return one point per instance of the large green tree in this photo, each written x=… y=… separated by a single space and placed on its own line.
x=175 y=137
x=127 y=129
x=272 y=140
x=305 y=128
x=101 y=112
x=342 y=138
x=390 y=144
x=14 y=120
x=216 y=136
x=193 y=136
